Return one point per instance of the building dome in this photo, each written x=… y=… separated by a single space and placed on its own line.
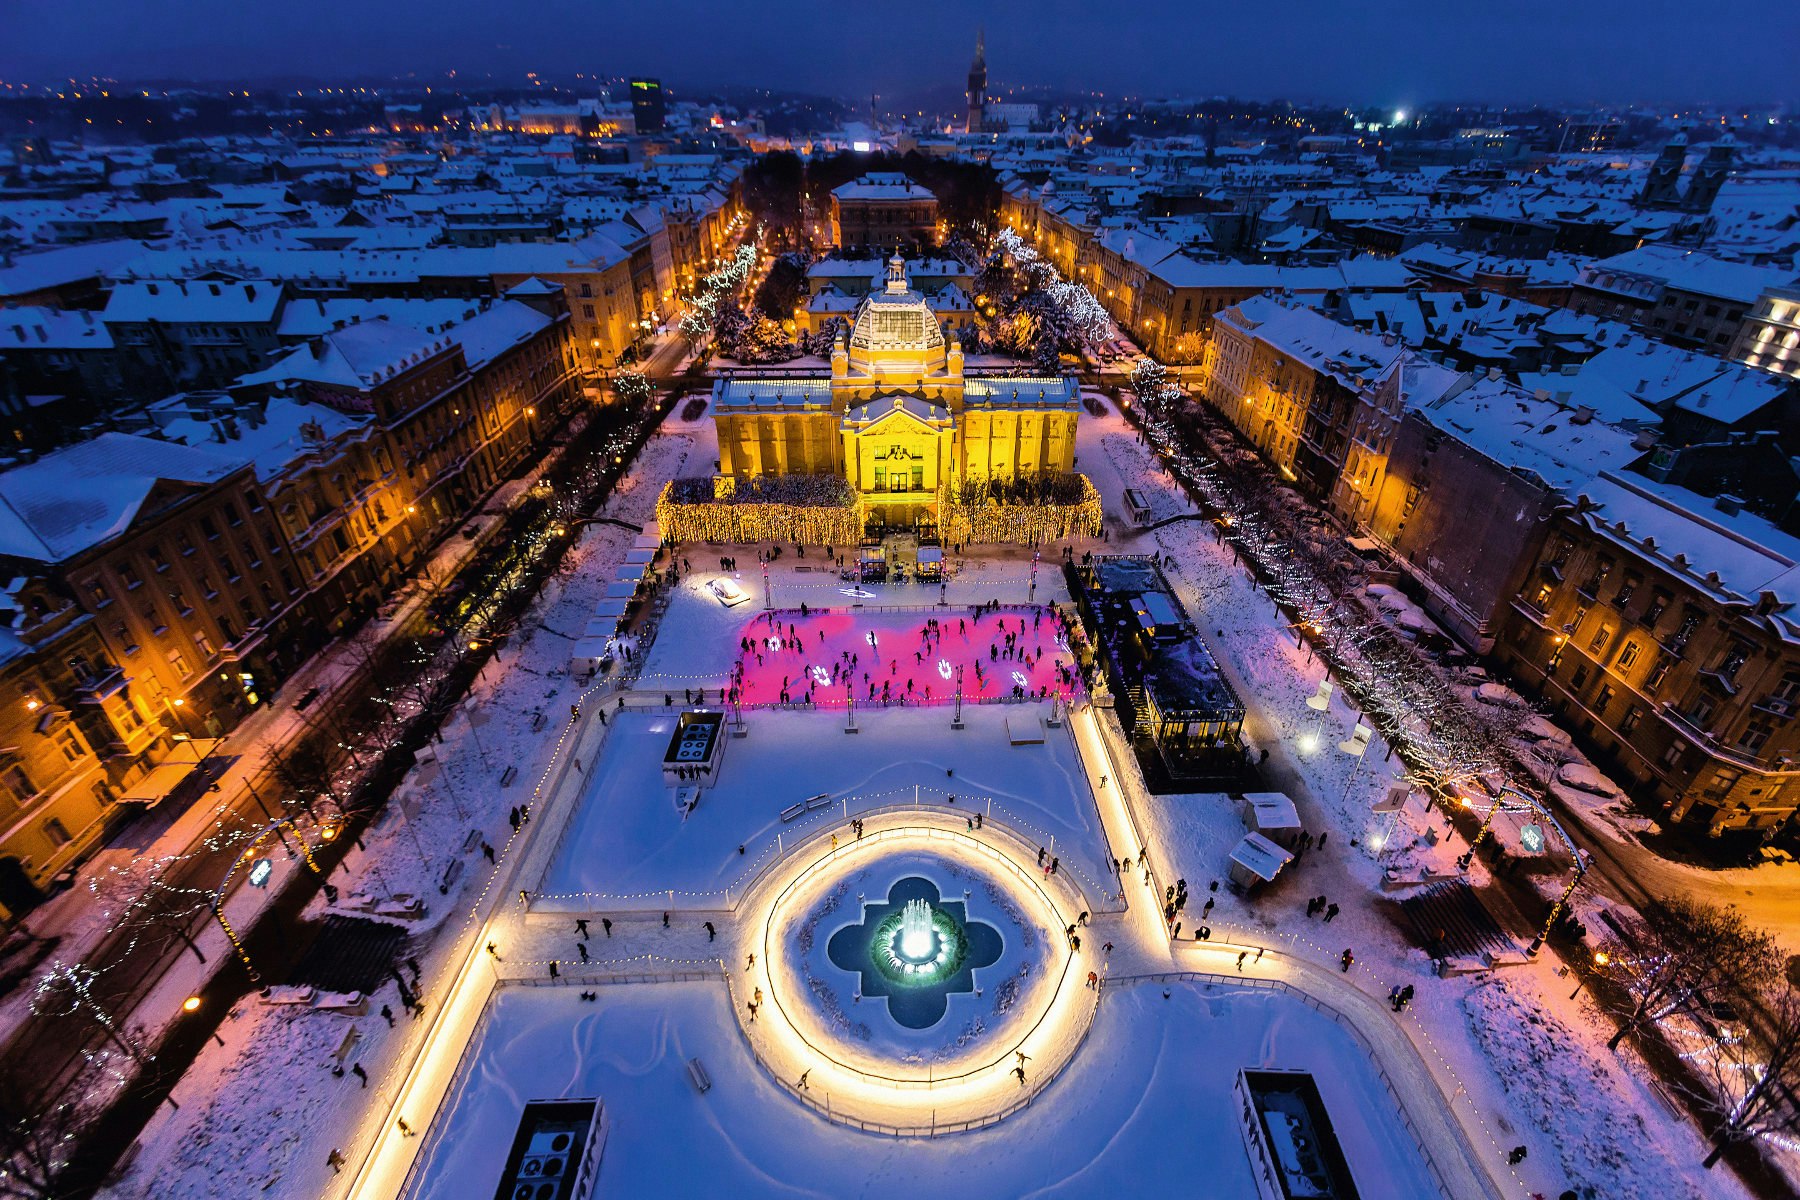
x=896 y=330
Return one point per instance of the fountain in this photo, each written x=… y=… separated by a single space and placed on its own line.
x=916 y=949
x=916 y=936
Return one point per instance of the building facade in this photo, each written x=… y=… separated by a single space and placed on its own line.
x=898 y=416
x=1660 y=625
x=884 y=210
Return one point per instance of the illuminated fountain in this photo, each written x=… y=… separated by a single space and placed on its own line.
x=917 y=943
x=915 y=948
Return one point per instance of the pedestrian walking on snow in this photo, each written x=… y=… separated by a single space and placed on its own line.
x=387 y=1014
x=1346 y=958
x=710 y=932
x=1241 y=956
x=356 y=1069
x=606 y=924
x=1331 y=910
x=581 y=947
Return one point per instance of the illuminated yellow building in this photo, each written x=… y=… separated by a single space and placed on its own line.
x=898 y=416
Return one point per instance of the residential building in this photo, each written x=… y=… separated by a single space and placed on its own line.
x=1660 y=625
x=884 y=211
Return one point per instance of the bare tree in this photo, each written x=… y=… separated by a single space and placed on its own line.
x=35 y=1146
x=1679 y=956
x=148 y=906
x=1751 y=1071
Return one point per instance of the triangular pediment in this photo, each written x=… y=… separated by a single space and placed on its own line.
x=892 y=414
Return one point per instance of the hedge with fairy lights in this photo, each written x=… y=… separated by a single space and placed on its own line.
x=818 y=510
x=1024 y=511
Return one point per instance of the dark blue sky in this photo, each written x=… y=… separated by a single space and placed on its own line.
x=1393 y=52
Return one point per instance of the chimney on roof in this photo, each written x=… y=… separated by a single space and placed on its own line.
x=1729 y=505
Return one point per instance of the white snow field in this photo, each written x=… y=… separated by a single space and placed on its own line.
x=1145 y=1109
x=627 y=847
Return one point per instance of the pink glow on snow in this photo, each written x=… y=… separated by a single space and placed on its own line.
x=903 y=657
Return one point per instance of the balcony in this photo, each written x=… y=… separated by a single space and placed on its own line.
x=99 y=686
x=1776 y=706
x=1716 y=678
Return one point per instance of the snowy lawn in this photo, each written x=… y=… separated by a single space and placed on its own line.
x=628 y=846
x=1146 y=1107
x=1562 y=1081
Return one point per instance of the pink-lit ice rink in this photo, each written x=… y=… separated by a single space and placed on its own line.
x=909 y=662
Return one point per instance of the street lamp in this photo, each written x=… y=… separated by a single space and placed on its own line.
x=1601 y=958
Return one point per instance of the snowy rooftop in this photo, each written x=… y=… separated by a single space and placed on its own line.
x=282 y=433
x=67 y=502
x=1691 y=271
x=1315 y=339
x=1738 y=557
x=1516 y=429
x=40 y=328
x=772 y=394
x=882 y=185
x=198 y=302
x=64 y=265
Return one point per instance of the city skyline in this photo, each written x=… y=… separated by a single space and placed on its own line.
x=1606 y=53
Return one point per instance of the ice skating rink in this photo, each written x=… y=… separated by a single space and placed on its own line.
x=1145 y=1109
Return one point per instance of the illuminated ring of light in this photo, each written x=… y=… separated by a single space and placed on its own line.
x=889 y=1091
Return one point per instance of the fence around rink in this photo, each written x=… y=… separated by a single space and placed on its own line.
x=1003 y=861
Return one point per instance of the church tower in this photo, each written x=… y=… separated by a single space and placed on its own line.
x=1710 y=175
x=978 y=84
x=1662 y=187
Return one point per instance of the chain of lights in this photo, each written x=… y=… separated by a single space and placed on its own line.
x=1026 y=513
x=704 y=307
x=814 y=510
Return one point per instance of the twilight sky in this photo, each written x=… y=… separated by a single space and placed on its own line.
x=1376 y=51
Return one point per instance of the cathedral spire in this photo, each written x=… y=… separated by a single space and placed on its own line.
x=977 y=92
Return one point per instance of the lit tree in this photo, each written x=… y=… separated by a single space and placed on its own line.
x=1753 y=1074
x=35 y=1146
x=69 y=990
x=1678 y=956
x=633 y=388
